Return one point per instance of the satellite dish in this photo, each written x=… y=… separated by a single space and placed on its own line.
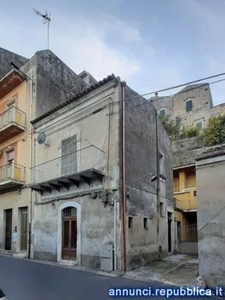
x=41 y=137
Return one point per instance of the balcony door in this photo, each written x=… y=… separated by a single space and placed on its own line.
x=69 y=156
x=69 y=233
x=8 y=229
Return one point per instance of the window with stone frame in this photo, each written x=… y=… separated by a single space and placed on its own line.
x=189 y=105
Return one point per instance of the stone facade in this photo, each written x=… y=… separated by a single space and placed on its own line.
x=191 y=107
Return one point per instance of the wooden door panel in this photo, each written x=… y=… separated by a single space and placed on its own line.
x=69 y=238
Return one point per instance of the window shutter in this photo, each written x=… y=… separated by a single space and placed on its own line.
x=69 y=156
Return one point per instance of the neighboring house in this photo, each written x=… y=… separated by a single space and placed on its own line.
x=185 y=193
x=210 y=174
x=24 y=88
x=102 y=178
x=189 y=108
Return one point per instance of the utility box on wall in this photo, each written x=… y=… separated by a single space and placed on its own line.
x=106 y=255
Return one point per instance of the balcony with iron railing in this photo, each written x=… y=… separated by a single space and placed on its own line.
x=12 y=176
x=12 y=122
x=84 y=165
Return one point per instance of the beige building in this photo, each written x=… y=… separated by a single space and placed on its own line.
x=102 y=183
x=210 y=174
x=190 y=107
x=15 y=159
x=24 y=86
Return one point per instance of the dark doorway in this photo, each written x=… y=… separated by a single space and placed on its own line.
x=69 y=233
x=169 y=232
x=8 y=229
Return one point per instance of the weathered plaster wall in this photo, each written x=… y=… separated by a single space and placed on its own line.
x=13 y=200
x=143 y=244
x=6 y=57
x=211 y=219
x=185 y=151
x=94 y=119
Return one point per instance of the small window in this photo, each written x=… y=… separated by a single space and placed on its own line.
x=177 y=121
x=10 y=155
x=188 y=105
x=161 y=164
x=145 y=223
x=130 y=222
x=162 y=113
x=199 y=126
x=161 y=210
x=195 y=193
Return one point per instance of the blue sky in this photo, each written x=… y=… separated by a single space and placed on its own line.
x=151 y=44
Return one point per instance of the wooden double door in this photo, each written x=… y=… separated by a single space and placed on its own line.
x=69 y=234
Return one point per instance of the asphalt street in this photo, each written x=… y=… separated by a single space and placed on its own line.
x=22 y=279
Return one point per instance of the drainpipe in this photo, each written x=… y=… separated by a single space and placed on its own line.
x=31 y=171
x=157 y=173
x=115 y=199
x=115 y=232
x=124 y=206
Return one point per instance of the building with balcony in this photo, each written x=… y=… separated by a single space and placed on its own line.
x=191 y=107
x=102 y=180
x=28 y=87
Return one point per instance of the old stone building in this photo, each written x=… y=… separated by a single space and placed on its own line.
x=190 y=107
x=102 y=180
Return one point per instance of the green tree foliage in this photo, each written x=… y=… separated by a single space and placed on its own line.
x=171 y=127
x=215 y=131
x=190 y=132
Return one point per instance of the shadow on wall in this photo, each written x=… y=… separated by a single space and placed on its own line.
x=2 y=295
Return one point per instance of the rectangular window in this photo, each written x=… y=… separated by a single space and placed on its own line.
x=199 y=126
x=69 y=156
x=145 y=223
x=177 y=121
x=130 y=222
x=161 y=210
x=188 y=105
x=162 y=113
x=10 y=156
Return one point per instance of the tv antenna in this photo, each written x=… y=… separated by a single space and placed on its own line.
x=46 y=20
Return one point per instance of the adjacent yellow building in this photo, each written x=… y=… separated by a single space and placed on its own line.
x=14 y=161
x=184 y=187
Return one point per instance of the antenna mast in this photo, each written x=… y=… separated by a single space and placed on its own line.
x=46 y=20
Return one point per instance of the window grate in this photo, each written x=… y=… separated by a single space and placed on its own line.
x=69 y=156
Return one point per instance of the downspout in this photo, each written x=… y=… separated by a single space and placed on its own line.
x=31 y=174
x=157 y=174
x=115 y=199
x=124 y=206
x=115 y=232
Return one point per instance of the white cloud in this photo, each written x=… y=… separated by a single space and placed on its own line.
x=85 y=46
